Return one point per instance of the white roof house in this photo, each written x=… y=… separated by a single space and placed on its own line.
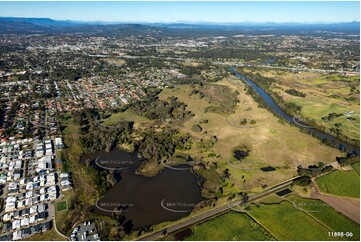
x=32 y=219
x=11 y=198
x=24 y=222
x=42 y=190
x=65 y=183
x=20 y=204
x=17 y=235
x=41 y=208
x=44 y=163
x=29 y=186
x=39 y=153
x=7 y=217
x=63 y=175
x=16 y=224
x=18 y=164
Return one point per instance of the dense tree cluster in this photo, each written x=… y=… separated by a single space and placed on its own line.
x=159 y=146
x=222 y=96
x=349 y=159
x=154 y=108
x=95 y=137
x=294 y=92
x=331 y=116
x=314 y=170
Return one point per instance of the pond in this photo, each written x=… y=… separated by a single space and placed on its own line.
x=170 y=195
x=240 y=154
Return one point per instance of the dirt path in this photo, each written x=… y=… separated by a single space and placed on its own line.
x=349 y=207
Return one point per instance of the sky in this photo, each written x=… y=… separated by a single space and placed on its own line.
x=187 y=11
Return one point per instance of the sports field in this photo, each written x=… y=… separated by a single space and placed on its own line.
x=60 y=206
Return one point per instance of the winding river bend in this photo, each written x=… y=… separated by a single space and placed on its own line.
x=290 y=119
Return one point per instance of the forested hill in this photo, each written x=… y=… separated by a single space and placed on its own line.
x=12 y=25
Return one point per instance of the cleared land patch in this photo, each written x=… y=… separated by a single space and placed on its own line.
x=127 y=115
x=116 y=61
x=230 y=226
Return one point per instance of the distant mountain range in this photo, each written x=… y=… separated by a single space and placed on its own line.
x=43 y=25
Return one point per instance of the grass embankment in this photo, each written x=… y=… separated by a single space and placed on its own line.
x=50 y=235
x=230 y=226
x=356 y=167
x=271 y=143
x=340 y=183
x=327 y=216
x=325 y=94
x=287 y=223
x=84 y=192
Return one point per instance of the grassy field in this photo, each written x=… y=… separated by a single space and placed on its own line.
x=230 y=226
x=270 y=143
x=127 y=115
x=325 y=93
x=116 y=61
x=60 y=206
x=287 y=223
x=327 y=215
x=341 y=183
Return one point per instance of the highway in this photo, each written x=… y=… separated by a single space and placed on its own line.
x=212 y=213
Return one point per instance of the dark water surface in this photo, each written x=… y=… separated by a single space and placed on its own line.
x=170 y=195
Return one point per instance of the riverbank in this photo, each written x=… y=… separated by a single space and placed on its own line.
x=276 y=104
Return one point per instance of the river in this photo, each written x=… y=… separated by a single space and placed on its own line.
x=290 y=119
